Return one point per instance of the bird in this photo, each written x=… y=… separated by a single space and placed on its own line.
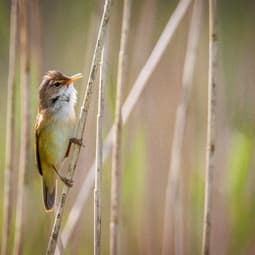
x=54 y=126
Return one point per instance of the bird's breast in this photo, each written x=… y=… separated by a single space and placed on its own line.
x=65 y=114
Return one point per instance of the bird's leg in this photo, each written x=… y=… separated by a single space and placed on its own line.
x=73 y=140
x=66 y=181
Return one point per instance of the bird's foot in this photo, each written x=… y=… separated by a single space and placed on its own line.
x=74 y=140
x=77 y=141
x=67 y=182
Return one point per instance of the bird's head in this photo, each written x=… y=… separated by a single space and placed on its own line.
x=57 y=90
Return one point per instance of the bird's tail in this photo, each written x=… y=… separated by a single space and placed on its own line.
x=49 y=194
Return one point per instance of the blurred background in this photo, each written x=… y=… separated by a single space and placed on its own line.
x=62 y=36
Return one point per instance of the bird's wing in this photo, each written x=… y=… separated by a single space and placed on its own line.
x=37 y=135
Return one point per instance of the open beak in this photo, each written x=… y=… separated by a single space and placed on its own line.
x=74 y=78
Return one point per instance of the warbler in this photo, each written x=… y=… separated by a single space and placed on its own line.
x=53 y=129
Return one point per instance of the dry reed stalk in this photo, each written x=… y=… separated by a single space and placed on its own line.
x=116 y=154
x=80 y=128
x=127 y=108
x=173 y=199
x=211 y=126
x=25 y=122
x=99 y=160
x=37 y=35
x=10 y=132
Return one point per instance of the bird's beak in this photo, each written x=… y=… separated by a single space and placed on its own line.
x=74 y=78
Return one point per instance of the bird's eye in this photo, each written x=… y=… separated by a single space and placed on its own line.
x=57 y=84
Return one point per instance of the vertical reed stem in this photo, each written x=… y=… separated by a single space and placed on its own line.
x=80 y=128
x=37 y=34
x=10 y=131
x=116 y=155
x=211 y=126
x=99 y=160
x=25 y=121
x=173 y=200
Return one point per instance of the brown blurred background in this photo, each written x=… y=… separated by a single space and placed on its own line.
x=62 y=36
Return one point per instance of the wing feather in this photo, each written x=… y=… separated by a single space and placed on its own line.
x=37 y=153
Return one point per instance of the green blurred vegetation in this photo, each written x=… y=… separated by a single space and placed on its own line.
x=241 y=192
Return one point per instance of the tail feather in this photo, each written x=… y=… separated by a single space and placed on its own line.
x=49 y=197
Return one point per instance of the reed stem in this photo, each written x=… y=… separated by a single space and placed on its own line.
x=80 y=128
x=25 y=123
x=10 y=133
x=173 y=200
x=99 y=160
x=211 y=127
x=116 y=154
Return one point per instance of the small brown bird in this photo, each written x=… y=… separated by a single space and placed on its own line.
x=53 y=129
